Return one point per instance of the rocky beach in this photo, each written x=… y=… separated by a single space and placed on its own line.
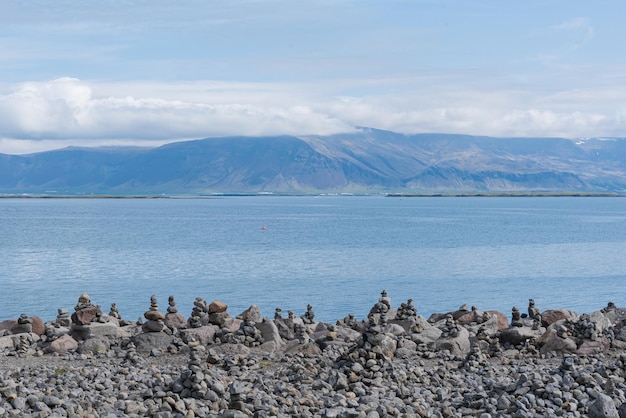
x=464 y=363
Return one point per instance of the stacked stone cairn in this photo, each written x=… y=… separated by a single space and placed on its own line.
x=63 y=318
x=199 y=314
x=155 y=319
x=381 y=310
x=174 y=320
x=309 y=316
x=114 y=312
x=85 y=312
x=248 y=334
x=465 y=363
x=406 y=310
x=89 y=323
x=218 y=313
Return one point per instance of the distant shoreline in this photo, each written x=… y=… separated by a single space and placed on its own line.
x=395 y=195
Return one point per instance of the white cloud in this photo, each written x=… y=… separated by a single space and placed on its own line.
x=66 y=108
x=67 y=111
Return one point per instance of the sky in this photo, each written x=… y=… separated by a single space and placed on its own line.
x=125 y=72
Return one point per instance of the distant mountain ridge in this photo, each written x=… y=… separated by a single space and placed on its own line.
x=366 y=161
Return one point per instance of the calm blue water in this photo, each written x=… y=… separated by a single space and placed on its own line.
x=336 y=253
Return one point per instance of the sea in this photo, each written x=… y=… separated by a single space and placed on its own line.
x=336 y=253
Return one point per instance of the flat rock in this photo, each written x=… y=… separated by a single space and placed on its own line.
x=145 y=342
x=154 y=315
x=94 y=329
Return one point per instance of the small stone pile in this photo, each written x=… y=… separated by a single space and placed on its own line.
x=199 y=313
x=155 y=319
x=174 y=320
x=85 y=312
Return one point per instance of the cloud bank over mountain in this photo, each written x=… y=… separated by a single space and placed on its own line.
x=68 y=111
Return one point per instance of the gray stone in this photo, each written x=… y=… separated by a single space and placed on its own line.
x=270 y=333
x=205 y=334
x=145 y=342
x=603 y=407
x=62 y=345
x=458 y=345
x=94 y=329
x=517 y=335
x=551 y=342
x=253 y=313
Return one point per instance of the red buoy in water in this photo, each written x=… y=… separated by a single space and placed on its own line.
x=263 y=228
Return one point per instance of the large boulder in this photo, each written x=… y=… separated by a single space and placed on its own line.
x=601 y=320
x=218 y=318
x=603 y=407
x=7 y=343
x=385 y=344
x=94 y=329
x=551 y=342
x=38 y=326
x=517 y=335
x=146 y=342
x=175 y=321
x=253 y=313
x=428 y=335
x=94 y=345
x=270 y=333
x=457 y=345
x=589 y=347
x=205 y=334
x=553 y=315
x=62 y=345
x=491 y=326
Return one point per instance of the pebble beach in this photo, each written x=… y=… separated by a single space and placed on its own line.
x=393 y=363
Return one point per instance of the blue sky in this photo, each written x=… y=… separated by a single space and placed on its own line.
x=149 y=72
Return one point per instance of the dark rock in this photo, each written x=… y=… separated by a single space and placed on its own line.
x=145 y=342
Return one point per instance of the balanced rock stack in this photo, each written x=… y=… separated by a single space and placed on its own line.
x=155 y=319
x=63 y=318
x=24 y=325
x=88 y=321
x=85 y=312
x=173 y=319
x=199 y=312
x=218 y=313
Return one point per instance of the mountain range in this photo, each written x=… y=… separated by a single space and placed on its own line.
x=365 y=161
